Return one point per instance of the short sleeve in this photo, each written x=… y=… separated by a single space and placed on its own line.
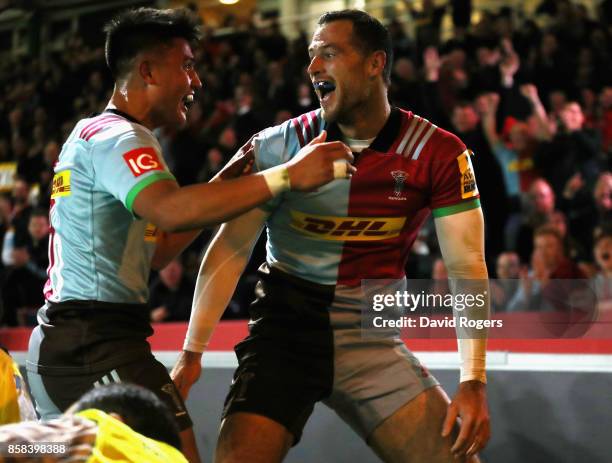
x=453 y=182
x=124 y=166
x=269 y=149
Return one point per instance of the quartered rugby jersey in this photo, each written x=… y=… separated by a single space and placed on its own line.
x=98 y=249
x=363 y=228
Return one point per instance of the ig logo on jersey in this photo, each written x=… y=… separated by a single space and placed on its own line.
x=142 y=160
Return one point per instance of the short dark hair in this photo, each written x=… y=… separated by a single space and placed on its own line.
x=139 y=408
x=40 y=212
x=548 y=230
x=141 y=29
x=369 y=35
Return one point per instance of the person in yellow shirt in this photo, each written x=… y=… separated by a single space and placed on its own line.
x=115 y=423
x=15 y=402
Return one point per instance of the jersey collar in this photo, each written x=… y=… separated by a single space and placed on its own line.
x=122 y=114
x=385 y=138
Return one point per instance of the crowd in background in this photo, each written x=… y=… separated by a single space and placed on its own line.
x=532 y=98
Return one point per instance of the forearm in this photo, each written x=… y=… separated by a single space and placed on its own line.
x=202 y=205
x=170 y=246
x=472 y=278
x=461 y=238
x=544 y=131
x=488 y=125
x=219 y=273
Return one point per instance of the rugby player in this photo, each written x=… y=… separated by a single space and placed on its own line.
x=305 y=340
x=116 y=210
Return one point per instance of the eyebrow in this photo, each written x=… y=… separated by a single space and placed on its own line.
x=329 y=45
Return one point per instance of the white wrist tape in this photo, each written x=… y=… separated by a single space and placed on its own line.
x=473 y=354
x=277 y=179
x=340 y=168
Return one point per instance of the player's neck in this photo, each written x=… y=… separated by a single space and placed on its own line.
x=131 y=103
x=368 y=120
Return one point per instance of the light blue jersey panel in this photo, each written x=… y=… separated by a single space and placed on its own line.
x=288 y=247
x=98 y=249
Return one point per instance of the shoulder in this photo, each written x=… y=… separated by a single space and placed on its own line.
x=280 y=143
x=423 y=140
x=121 y=137
x=445 y=144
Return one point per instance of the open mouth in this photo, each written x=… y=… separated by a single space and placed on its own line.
x=324 y=89
x=188 y=101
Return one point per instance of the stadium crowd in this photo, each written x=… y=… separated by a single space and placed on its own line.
x=532 y=98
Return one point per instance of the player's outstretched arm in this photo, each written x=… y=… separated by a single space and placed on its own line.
x=461 y=238
x=220 y=270
x=174 y=209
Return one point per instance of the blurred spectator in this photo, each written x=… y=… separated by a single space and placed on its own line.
x=50 y=156
x=548 y=262
x=228 y=142
x=171 y=294
x=503 y=288
x=306 y=99
x=488 y=176
x=246 y=121
x=21 y=210
x=214 y=163
x=515 y=158
x=18 y=218
x=589 y=213
x=36 y=241
x=602 y=280
x=573 y=248
x=5 y=222
x=604 y=123
x=21 y=290
x=537 y=210
x=428 y=21
x=573 y=149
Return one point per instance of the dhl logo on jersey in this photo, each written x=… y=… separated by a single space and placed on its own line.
x=61 y=184
x=347 y=228
x=468 y=179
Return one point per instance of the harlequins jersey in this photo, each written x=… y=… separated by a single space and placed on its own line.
x=363 y=228
x=98 y=249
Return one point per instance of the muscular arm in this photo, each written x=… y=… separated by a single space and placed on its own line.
x=221 y=268
x=461 y=238
x=175 y=209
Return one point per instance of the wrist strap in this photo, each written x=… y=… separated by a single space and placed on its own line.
x=277 y=179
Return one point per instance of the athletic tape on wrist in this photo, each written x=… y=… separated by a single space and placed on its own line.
x=340 y=168
x=277 y=179
x=473 y=355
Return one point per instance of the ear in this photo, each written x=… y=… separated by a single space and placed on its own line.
x=145 y=71
x=117 y=416
x=377 y=63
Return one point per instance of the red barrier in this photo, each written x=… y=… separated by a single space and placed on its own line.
x=170 y=336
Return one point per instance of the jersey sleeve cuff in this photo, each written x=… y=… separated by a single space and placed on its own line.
x=131 y=196
x=456 y=208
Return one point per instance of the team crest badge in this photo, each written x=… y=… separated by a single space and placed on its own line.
x=400 y=178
